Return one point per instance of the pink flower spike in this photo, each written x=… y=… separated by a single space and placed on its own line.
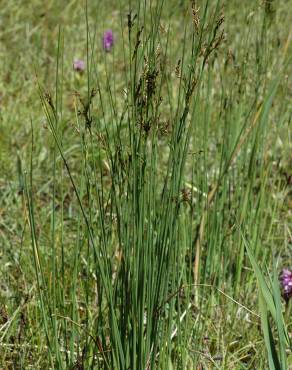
x=286 y=283
x=108 y=40
x=79 y=65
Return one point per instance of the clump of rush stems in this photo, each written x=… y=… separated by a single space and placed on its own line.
x=162 y=173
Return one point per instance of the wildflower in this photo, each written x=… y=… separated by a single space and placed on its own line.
x=79 y=65
x=108 y=40
x=286 y=283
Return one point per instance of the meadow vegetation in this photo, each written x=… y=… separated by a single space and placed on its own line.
x=145 y=193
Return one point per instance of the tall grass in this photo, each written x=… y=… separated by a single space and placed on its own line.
x=167 y=169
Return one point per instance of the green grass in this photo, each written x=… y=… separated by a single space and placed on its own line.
x=145 y=211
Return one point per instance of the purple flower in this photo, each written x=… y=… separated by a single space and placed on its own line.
x=108 y=40
x=79 y=65
x=286 y=283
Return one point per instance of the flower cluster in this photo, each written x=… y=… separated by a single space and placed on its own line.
x=79 y=65
x=108 y=40
x=286 y=283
